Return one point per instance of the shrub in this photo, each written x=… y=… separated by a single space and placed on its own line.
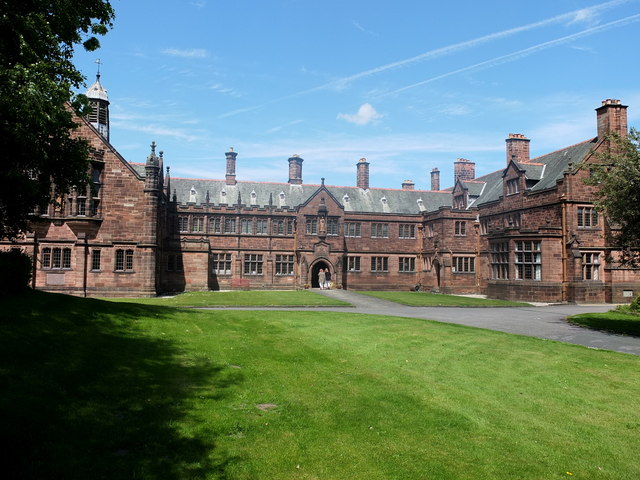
x=15 y=271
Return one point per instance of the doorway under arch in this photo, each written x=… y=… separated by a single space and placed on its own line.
x=315 y=269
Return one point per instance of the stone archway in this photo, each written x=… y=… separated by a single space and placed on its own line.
x=436 y=267
x=315 y=269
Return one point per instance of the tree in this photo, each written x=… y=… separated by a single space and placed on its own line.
x=617 y=177
x=40 y=159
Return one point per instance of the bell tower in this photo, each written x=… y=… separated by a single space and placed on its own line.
x=99 y=102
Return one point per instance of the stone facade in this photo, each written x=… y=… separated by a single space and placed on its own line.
x=527 y=232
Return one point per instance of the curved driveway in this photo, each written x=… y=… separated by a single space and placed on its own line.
x=540 y=321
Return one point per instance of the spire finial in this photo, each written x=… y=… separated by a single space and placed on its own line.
x=153 y=147
x=98 y=62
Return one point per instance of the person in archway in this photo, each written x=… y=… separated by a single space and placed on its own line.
x=327 y=279
x=322 y=278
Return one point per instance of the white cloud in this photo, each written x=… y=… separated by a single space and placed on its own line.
x=190 y=53
x=366 y=114
x=232 y=92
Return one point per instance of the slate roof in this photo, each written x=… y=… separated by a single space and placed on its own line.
x=353 y=199
x=546 y=169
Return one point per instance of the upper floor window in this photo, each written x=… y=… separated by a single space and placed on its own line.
x=332 y=226
x=215 y=225
x=229 y=225
x=312 y=226
x=458 y=202
x=183 y=223
x=587 y=217
x=406 y=230
x=352 y=229
x=262 y=226
x=246 y=226
x=428 y=230
x=460 y=227
x=198 y=224
x=513 y=186
x=379 y=230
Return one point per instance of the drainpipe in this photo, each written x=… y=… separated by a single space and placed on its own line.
x=84 y=267
x=563 y=205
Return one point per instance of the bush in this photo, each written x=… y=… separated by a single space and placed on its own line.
x=15 y=271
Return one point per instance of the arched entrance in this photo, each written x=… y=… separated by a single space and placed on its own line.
x=315 y=269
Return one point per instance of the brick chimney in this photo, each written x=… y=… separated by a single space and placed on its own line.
x=463 y=169
x=408 y=185
x=295 y=170
x=363 y=174
x=231 y=166
x=612 y=118
x=435 y=179
x=517 y=147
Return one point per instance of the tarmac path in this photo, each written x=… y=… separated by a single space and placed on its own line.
x=544 y=321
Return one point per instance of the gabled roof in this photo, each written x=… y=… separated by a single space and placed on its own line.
x=546 y=170
x=352 y=199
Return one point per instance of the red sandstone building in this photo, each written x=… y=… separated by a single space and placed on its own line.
x=526 y=232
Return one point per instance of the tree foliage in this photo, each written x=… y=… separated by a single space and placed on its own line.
x=40 y=159
x=618 y=195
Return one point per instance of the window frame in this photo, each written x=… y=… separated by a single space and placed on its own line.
x=379 y=264
x=284 y=265
x=407 y=264
x=528 y=261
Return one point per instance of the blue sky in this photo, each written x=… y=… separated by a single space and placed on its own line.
x=410 y=85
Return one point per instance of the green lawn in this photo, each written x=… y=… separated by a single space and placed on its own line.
x=614 y=321
x=95 y=389
x=253 y=298
x=424 y=299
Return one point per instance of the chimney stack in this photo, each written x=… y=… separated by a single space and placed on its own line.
x=517 y=148
x=612 y=118
x=408 y=185
x=363 y=174
x=295 y=170
x=435 y=179
x=464 y=170
x=231 y=167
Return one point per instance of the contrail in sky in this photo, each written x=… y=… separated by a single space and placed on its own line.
x=521 y=53
x=573 y=15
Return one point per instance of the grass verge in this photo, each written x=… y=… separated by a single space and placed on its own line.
x=252 y=298
x=613 y=322
x=425 y=299
x=96 y=389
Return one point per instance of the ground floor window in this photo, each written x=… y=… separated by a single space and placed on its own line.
x=407 y=264
x=221 y=263
x=252 y=264
x=56 y=258
x=528 y=260
x=95 y=260
x=284 y=264
x=124 y=260
x=464 y=264
x=353 y=264
x=379 y=264
x=500 y=260
x=591 y=266
x=174 y=262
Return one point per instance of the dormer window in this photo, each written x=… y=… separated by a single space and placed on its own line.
x=253 y=197
x=346 y=198
x=384 y=200
x=513 y=186
x=420 y=205
x=192 y=195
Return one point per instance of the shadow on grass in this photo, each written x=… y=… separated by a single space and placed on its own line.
x=611 y=322
x=87 y=395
